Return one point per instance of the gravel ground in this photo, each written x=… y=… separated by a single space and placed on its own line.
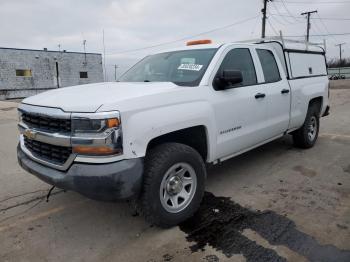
x=340 y=84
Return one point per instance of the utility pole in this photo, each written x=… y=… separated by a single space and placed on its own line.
x=308 y=26
x=115 y=72
x=104 y=55
x=263 y=29
x=84 y=44
x=340 y=53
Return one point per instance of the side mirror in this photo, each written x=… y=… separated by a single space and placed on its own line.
x=229 y=78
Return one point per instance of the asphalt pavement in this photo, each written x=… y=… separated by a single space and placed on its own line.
x=275 y=203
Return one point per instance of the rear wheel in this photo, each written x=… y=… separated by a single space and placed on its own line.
x=174 y=180
x=306 y=136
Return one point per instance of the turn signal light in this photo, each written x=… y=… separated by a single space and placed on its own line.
x=100 y=150
x=199 y=42
x=112 y=122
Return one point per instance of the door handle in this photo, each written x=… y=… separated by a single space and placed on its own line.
x=284 y=91
x=259 y=95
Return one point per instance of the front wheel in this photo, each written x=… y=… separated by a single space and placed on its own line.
x=306 y=136
x=174 y=181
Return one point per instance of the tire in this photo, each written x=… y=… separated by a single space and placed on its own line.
x=306 y=136
x=171 y=168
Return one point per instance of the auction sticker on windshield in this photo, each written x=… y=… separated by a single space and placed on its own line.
x=192 y=67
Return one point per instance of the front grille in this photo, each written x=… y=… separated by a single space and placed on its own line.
x=47 y=123
x=47 y=152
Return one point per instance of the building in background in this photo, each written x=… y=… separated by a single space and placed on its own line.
x=26 y=72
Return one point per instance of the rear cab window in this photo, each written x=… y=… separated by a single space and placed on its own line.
x=269 y=65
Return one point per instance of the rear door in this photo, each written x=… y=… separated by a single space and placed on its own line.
x=278 y=93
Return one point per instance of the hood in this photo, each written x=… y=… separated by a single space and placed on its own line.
x=89 y=98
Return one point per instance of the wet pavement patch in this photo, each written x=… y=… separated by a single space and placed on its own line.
x=342 y=226
x=167 y=257
x=220 y=222
x=347 y=169
x=211 y=258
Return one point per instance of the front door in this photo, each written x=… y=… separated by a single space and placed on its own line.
x=240 y=110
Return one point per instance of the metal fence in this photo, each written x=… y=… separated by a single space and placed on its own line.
x=342 y=71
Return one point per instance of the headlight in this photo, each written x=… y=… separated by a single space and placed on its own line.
x=94 y=123
x=96 y=133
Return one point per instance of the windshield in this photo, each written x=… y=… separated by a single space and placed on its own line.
x=185 y=68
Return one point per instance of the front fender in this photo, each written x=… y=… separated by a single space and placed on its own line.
x=139 y=128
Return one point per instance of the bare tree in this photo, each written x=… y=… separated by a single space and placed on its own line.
x=335 y=62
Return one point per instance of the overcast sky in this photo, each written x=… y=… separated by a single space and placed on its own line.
x=134 y=24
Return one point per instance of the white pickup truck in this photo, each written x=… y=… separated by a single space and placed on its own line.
x=150 y=135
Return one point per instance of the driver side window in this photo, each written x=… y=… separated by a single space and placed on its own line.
x=240 y=59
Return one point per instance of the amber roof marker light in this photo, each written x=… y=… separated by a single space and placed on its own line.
x=199 y=42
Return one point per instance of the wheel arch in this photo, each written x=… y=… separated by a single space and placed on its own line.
x=195 y=137
x=317 y=102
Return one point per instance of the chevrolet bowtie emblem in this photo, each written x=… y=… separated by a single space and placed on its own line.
x=29 y=134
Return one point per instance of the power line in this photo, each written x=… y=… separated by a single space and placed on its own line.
x=277 y=20
x=184 y=38
x=317 y=29
x=278 y=12
x=316 y=18
x=285 y=7
x=325 y=27
x=273 y=14
x=272 y=27
x=316 y=3
x=274 y=19
x=255 y=24
x=324 y=35
x=331 y=18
